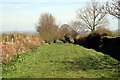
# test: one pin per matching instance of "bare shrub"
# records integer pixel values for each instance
(47, 27)
(64, 30)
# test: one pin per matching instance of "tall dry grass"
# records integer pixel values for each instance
(16, 43)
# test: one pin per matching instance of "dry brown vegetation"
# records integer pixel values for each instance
(107, 32)
(17, 43)
(47, 27)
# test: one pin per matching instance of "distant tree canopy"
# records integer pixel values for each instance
(91, 16)
(47, 27)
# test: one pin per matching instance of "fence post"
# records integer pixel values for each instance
(7, 38)
(12, 40)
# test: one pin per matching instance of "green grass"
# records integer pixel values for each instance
(62, 61)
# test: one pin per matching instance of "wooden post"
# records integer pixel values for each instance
(12, 40)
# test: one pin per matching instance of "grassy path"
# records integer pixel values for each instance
(62, 61)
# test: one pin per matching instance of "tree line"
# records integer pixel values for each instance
(92, 17)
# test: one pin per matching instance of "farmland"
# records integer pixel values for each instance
(59, 60)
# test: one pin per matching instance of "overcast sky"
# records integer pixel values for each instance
(23, 15)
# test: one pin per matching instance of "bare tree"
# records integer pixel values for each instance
(47, 27)
(113, 8)
(63, 30)
(75, 25)
(91, 16)
(77, 28)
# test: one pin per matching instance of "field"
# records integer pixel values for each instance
(59, 60)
